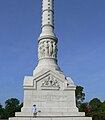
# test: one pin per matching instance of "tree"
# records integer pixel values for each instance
(11, 106)
(20, 106)
(97, 115)
(80, 95)
(102, 107)
(1, 111)
(95, 104)
(83, 107)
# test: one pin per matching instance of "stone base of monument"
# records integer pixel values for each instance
(51, 118)
(54, 96)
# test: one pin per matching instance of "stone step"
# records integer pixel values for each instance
(53, 114)
(51, 118)
(69, 109)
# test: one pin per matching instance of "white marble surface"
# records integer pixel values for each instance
(48, 88)
(54, 96)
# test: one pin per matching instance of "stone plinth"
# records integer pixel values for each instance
(54, 96)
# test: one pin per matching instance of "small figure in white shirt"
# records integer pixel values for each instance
(34, 110)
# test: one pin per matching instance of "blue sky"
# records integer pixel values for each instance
(80, 28)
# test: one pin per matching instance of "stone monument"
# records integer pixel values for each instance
(48, 88)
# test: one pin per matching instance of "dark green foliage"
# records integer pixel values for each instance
(102, 107)
(19, 107)
(80, 95)
(11, 106)
(1, 111)
(83, 107)
(97, 115)
(95, 104)
(95, 108)
(0, 106)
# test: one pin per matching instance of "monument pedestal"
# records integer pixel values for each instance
(54, 96)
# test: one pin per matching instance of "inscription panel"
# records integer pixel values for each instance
(53, 98)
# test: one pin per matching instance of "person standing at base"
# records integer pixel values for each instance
(34, 110)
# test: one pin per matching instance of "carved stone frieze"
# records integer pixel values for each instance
(47, 48)
(50, 82)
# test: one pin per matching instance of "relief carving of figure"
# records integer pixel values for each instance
(46, 47)
(55, 83)
(54, 50)
(50, 48)
(51, 82)
(40, 50)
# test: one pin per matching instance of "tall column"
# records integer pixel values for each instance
(47, 17)
(47, 41)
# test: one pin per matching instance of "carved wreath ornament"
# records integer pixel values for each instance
(50, 82)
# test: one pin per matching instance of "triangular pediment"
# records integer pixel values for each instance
(49, 80)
